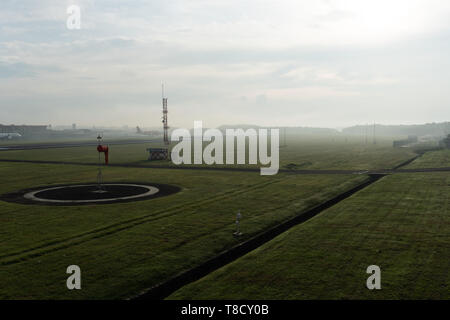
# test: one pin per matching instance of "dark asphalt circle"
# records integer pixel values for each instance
(88, 194)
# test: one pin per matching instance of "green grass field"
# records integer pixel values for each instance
(125, 248)
(432, 159)
(401, 223)
(308, 152)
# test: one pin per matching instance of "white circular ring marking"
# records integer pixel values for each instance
(32, 195)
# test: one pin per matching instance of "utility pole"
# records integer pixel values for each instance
(283, 138)
(366, 127)
(165, 123)
(374, 137)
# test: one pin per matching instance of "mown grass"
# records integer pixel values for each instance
(301, 152)
(432, 159)
(401, 223)
(124, 248)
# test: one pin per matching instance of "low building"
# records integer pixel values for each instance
(158, 154)
(445, 143)
(405, 142)
(24, 130)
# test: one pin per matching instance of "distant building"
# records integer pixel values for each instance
(412, 139)
(24, 130)
(402, 143)
(148, 133)
(158, 154)
(445, 143)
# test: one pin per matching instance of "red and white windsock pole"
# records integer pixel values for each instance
(101, 149)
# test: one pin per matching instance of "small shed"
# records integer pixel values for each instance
(158, 154)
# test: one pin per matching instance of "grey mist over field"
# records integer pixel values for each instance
(270, 63)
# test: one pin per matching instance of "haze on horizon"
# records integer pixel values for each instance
(328, 63)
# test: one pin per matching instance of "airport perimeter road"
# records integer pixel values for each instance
(31, 146)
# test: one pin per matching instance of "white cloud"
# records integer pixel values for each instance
(334, 54)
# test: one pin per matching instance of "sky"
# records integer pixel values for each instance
(321, 63)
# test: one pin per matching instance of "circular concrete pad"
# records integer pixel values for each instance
(81, 194)
(91, 193)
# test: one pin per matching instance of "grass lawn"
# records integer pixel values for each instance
(401, 223)
(124, 248)
(432, 159)
(303, 152)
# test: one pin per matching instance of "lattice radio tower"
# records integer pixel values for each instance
(165, 123)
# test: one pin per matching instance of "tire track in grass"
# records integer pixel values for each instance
(329, 194)
(362, 240)
(19, 256)
(421, 237)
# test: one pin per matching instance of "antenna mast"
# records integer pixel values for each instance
(374, 136)
(366, 127)
(165, 124)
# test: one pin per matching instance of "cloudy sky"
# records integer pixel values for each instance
(297, 63)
